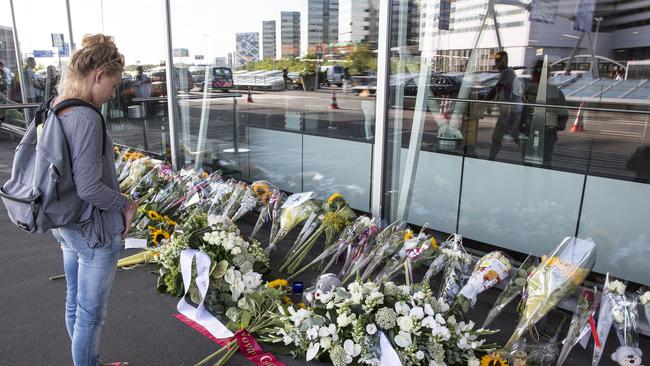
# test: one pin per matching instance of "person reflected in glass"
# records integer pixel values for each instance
(51, 82)
(32, 84)
(5, 78)
(286, 78)
(142, 87)
(504, 91)
(555, 118)
(639, 163)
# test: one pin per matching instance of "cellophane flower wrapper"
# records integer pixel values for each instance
(348, 238)
(515, 287)
(235, 199)
(290, 217)
(359, 251)
(580, 320)
(137, 170)
(248, 202)
(457, 268)
(644, 299)
(625, 317)
(557, 277)
(221, 196)
(491, 269)
(611, 289)
(264, 191)
(387, 242)
(275, 208)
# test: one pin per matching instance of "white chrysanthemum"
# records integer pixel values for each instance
(386, 318)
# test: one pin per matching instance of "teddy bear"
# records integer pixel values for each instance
(627, 356)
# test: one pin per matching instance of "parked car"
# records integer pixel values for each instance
(158, 77)
(333, 74)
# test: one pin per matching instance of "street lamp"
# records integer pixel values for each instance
(598, 20)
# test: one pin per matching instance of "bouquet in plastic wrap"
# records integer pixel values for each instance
(295, 210)
(388, 242)
(457, 266)
(557, 277)
(579, 326)
(491, 269)
(264, 191)
(515, 287)
(644, 299)
(611, 290)
(626, 317)
(359, 250)
(336, 216)
(414, 251)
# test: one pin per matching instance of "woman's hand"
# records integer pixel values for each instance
(128, 212)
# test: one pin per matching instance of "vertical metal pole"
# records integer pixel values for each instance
(19, 61)
(383, 77)
(496, 24)
(567, 68)
(594, 61)
(67, 9)
(172, 106)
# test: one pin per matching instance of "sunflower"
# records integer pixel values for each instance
(493, 359)
(262, 191)
(408, 234)
(153, 215)
(158, 235)
(169, 221)
(277, 283)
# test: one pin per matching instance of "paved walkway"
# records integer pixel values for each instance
(140, 327)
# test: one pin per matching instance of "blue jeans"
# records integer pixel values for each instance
(89, 274)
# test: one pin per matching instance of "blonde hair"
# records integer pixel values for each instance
(97, 52)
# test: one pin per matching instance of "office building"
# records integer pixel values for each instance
(247, 48)
(268, 39)
(358, 21)
(290, 33)
(322, 23)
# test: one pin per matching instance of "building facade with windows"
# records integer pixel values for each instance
(290, 34)
(268, 39)
(322, 23)
(247, 48)
(358, 21)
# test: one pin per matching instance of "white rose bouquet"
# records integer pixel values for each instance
(644, 299)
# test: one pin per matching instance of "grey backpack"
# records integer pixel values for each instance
(41, 193)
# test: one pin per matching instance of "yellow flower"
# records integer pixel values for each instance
(552, 261)
(302, 305)
(493, 359)
(334, 197)
(153, 215)
(205, 175)
(277, 283)
(158, 236)
(286, 300)
(408, 234)
(434, 244)
(262, 191)
(169, 221)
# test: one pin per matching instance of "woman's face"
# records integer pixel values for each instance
(103, 88)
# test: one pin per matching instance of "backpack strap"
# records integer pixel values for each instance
(77, 103)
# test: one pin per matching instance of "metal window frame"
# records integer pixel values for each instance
(381, 109)
(171, 88)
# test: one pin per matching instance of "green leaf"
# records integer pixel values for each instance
(220, 269)
(245, 319)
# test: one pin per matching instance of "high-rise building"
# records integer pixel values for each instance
(359, 21)
(247, 48)
(7, 49)
(230, 60)
(220, 62)
(405, 24)
(268, 39)
(322, 23)
(290, 33)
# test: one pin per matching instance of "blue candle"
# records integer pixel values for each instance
(297, 287)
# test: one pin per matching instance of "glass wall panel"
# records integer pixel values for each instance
(525, 100)
(281, 91)
(615, 214)
(137, 116)
(9, 83)
(44, 49)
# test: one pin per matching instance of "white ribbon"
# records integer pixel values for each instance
(199, 314)
(388, 355)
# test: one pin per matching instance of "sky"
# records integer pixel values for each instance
(204, 27)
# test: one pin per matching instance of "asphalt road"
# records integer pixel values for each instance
(140, 327)
(603, 148)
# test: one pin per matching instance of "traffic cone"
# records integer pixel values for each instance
(249, 99)
(333, 103)
(579, 123)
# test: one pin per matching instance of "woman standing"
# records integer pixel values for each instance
(91, 247)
